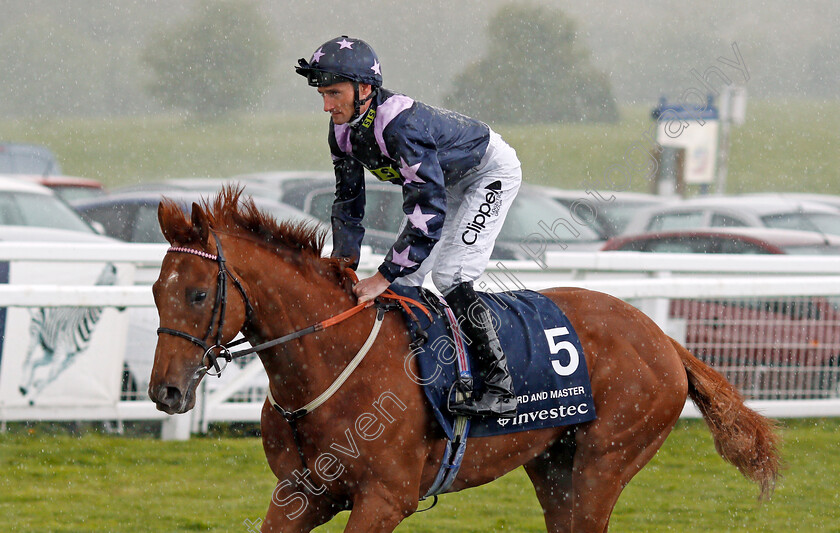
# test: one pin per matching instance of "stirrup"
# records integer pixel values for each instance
(462, 389)
(478, 409)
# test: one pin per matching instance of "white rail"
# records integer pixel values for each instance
(648, 279)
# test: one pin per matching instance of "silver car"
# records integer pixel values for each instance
(737, 211)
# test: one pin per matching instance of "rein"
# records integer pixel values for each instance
(224, 349)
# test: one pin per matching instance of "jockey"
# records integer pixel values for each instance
(458, 180)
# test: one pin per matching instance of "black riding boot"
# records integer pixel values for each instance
(499, 399)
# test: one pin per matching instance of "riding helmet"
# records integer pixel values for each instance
(341, 59)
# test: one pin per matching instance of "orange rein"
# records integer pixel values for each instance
(403, 301)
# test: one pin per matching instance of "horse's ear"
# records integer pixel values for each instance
(173, 224)
(201, 225)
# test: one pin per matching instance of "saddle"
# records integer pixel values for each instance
(544, 356)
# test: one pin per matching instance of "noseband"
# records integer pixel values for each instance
(210, 358)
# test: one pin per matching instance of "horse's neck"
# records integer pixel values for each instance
(288, 298)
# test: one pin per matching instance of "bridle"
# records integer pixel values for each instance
(210, 359)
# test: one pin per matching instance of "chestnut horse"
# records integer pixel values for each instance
(374, 446)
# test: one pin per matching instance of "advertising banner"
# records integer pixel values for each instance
(62, 356)
(700, 140)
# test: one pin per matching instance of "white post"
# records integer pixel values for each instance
(732, 110)
(176, 427)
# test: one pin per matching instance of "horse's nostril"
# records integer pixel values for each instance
(169, 395)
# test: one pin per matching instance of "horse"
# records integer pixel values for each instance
(372, 446)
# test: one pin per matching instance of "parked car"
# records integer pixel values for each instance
(827, 199)
(68, 188)
(29, 204)
(606, 212)
(729, 241)
(794, 340)
(281, 181)
(21, 158)
(735, 211)
(533, 225)
(132, 216)
(207, 186)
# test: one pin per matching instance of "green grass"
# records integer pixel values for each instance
(784, 145)
(61, 483)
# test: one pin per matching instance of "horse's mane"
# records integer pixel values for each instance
(230, 212)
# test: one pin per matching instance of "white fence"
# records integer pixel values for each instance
(769, 323)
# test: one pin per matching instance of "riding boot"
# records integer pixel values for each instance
(498, 399)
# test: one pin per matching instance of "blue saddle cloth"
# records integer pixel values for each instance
(544, 356)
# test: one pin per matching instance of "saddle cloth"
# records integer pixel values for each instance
(544, 356)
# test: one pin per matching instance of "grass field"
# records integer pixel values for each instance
(55, 482)
(60, 483)
(783, 146)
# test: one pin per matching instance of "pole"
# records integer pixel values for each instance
(723, 145)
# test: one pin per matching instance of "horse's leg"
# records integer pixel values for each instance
(613, 448)
(551, 474)
(292, 508)
(379, 510)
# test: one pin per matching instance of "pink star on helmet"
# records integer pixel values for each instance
(318, 55)
(409, 172)
(401, 258)
(418, 219)
(375, 67)
(344, 43)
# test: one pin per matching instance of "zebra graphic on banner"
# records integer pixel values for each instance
(57, 335)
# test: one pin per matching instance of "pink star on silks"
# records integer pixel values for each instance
(344, 43)
(409, 172)
(401, 258)
(318, 55)
(375, 67)
(418, 219)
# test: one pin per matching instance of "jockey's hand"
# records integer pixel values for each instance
(369, 288)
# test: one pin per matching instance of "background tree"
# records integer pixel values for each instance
(216, 61)
(534, 71)
(38, 82)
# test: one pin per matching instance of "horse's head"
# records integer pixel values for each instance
(201, 304)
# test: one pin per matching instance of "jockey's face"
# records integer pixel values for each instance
(338, 100)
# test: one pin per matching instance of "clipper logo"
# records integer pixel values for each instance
(488, 208)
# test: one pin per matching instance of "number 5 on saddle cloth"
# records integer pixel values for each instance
(544, 356)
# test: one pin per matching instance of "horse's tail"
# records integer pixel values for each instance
(742, 437)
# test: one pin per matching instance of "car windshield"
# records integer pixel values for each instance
(676, 221)
(532, 214)
(617, 214)
(38, 210)
(72, 194)
(820, 222)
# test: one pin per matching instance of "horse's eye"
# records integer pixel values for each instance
(196, 296)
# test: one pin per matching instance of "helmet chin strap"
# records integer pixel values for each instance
(357, 103)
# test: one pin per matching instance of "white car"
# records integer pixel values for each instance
(26, 204)
(44, 351)
(737, 211)
(606, 212)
